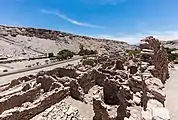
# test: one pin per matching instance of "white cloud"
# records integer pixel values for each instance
(75, 22)
(135, 38)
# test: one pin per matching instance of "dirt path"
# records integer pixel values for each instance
(6, 79)
(172, 93)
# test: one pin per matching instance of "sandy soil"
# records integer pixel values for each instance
(172, 93)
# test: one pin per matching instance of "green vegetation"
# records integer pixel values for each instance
(83, 51)
(64, 54)
(172, 56)
(133, 52)
(50, 55)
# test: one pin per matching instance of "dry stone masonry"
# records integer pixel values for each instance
(113, 86)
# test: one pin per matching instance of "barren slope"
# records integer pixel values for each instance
(18, 41)
(171, 44)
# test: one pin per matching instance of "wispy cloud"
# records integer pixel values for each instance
(75, 22)
(135, 38)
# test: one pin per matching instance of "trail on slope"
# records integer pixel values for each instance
(18, 44)
(172, 93)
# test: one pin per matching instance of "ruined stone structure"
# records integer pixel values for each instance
(153, 48)
(105, 85)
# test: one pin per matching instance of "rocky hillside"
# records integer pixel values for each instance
(20, 41)
(171, 44)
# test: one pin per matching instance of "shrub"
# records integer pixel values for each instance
(172, 56)
(64, 54)
(133, 52)
(87, 52)
(83, 51)
(50, 55)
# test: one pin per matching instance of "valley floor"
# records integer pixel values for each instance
(172, 93)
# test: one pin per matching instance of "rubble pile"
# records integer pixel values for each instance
(113, 86)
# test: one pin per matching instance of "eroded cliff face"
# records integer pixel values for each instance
(32, 41)
(106, 87)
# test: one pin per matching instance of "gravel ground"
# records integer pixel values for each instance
(172, 93)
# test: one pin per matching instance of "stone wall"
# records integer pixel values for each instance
(116, 87)
(158, 55)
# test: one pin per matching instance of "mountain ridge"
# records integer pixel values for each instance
(42, 40)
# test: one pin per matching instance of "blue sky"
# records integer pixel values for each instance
(126, 20)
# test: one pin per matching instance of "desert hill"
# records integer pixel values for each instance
(28, 42)
(170, 43)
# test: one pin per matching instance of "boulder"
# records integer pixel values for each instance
(154, 83)
(46, 82)
(99, 109)
(99, 78)
(76, 91)
(87, 80)
(26, 87)
(158, 94)
(14, 83)
(135, 83)
(133, 69)
(89, 62)
(110, 90)
(119, 65)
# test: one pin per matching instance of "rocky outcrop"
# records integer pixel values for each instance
(119, 65)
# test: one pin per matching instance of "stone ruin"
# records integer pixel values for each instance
(110, 87)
